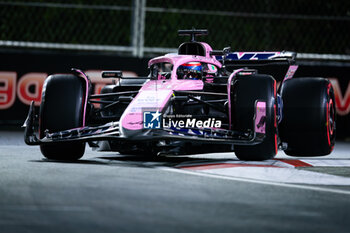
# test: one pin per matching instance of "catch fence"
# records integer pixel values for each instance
(143, 28)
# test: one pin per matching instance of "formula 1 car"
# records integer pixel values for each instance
(198, 100)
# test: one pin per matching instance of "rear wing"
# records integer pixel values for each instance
(280, 65)
(251, 58)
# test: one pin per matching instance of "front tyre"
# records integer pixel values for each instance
(62, 108)
(247, 90)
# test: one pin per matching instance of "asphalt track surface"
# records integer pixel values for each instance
(109, 192)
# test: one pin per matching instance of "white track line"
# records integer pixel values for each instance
(320, 189)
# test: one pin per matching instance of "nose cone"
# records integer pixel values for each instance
(144, 112)
(131, 124)
(141, 124)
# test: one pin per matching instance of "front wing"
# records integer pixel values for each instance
(111, 131)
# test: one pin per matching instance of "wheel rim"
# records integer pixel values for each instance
(331, 117)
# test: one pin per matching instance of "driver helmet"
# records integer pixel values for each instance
(192, 70)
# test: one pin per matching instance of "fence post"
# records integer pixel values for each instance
(134, 26)
(138, 27)
(142, 28)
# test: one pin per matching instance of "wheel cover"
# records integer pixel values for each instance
(330, 118)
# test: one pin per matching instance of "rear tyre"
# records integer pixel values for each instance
(62, 108)
(308, 125)
(246, 92)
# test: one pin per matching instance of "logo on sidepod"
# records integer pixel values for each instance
(152, 120)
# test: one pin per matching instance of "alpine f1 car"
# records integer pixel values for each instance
(197, 100)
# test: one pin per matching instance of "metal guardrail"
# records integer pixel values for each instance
(149, 50)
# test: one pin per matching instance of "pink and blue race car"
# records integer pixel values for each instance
(197, 100)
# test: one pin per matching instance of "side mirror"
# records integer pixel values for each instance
(112, 74)
(226, 50)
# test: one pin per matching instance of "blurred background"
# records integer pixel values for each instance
(40, 37)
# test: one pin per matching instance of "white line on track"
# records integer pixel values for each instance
(320, 189)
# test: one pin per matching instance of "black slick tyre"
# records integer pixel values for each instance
(308, 126)
(247, 90)
(62, 108)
